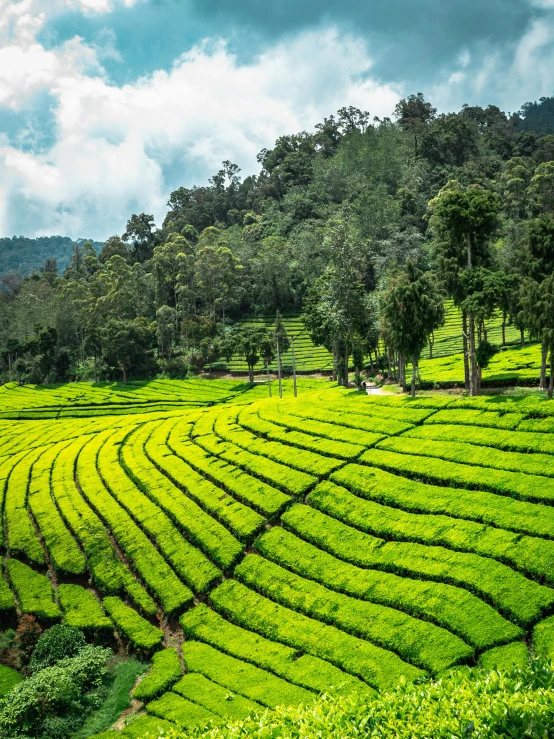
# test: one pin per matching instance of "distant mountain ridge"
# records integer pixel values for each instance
(25, 255)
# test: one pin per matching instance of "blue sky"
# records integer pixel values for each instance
(106, 106)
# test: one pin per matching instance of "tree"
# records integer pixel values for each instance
(217, 272)
(140, 230)
(537, 265)
(112, 247)
(250, 341)
(166, 329)
(412, 114)
(463, 222)
(541, 188)
(412, 308)
(126, 343)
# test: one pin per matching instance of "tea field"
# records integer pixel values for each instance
(260, 551)
(447, 341)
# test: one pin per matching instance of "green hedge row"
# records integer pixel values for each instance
(515, 441)
(375, 424)
(283, 416)
(203, 624)
(376, 666)
(33, 591)
(140, 632)
(200, 528)
(265, 499)
(249, 419)
(242, 677)
(543, 639)
(7, 603)
(418, 642)
(467, 453)
(186, 560)
(450, 607)
(274, 473)
(65, 555)
(165, 671)
(471, 417)
(199, 689)
(21, 535)
(108, 571)
(172, 707)
(519, 598)
(240, 519)
(83, 611)
(302, 460)
(474, 505)
(371, 408)
(149, 563)
(204, 425)
(531, 555)
(514, 484)
(505, 658)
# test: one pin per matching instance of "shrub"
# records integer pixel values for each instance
(57, 643)
(55, 701)
(466, 703)
(27, 635)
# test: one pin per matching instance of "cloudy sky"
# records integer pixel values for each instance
(106, 106)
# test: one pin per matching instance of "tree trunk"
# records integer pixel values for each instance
(522, 336)
(544, 352)
(250, 373)
(401, 370)
(466, 350)
(390, 365)
(551, 380)
(346, 366)
(268, 378)
(293, 366)
(279, 367)
(414, 370)
(334, 363)
(431, 342)
(472, 361)
(124, 370)
(10, 365)
(504, 328)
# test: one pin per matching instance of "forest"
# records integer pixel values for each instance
(364, 227)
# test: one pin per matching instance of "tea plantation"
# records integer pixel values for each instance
(261, 551)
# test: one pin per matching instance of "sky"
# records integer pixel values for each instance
(107, 106)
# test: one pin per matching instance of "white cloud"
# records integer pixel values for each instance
(113, 143)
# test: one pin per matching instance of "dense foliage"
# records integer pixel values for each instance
(325, 228)
(517, 704)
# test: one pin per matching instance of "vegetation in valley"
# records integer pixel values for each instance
(340, 226)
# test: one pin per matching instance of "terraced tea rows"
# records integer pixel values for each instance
(330, 542)
(447, 341)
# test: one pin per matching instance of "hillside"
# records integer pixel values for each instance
(24, 255)
(327, 543)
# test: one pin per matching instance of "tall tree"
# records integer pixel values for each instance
(412, 309)
(463, 221)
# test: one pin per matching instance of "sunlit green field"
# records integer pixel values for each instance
(447, 342)
(327, 543)
(513, 365)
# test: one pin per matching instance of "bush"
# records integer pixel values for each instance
(55, 701)
(57, 643)
(27, 635)
(466, 703)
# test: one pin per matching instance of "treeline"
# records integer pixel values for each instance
(21, 256)
(364, 225)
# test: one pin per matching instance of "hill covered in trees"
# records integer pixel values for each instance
(366, 226)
